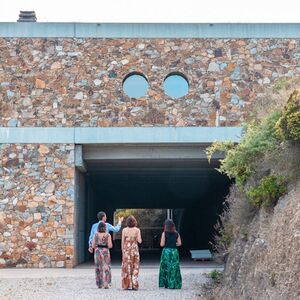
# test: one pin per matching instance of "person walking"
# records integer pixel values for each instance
(131, 237)
(101, 244)
(109, 228)
(169, 271)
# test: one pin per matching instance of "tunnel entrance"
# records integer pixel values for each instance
(183, 183)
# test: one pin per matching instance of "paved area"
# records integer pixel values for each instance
(79, 283)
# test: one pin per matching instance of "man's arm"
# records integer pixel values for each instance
(92, 233)
(113, 228)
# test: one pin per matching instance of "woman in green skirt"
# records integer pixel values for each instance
(169, 271)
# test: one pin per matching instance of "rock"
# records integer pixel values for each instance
(10, 94)
(97, 82)
(4, 247)
(37, 216)
(79, 96)
(124, 62)
(50, 188)
(136, 109)
(43, 149)
(218, 53)
(27, 101)
(141, 46)
(56, 65)
(60, 264)
(213, 67)
(189, 61)
(74, 54)
(40, 84)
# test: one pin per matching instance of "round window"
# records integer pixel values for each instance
(135, 85)
(176, 85)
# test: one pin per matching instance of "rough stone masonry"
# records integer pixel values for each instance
(77, 82)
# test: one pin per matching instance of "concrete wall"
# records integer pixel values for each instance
(80, 245)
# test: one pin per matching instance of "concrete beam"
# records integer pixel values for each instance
(156, 135)
(36, 135)
(149, 30)
(152, 152)
(118, 135)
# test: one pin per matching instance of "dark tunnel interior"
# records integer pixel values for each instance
(193, 189)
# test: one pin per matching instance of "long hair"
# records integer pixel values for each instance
(102, 227)
(169, 226)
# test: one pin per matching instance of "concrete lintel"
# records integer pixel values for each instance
(36, 135)
(118, 135)
(156, 135)
(149, 30)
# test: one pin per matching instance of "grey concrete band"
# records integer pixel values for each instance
(118, 135)
(149, 30)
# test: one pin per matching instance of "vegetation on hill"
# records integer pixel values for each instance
(264, 164)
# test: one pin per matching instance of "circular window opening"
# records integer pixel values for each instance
(135, 85)
(176, 85)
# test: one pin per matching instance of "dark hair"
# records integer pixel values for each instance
(101, 215)
(131, 221)
(169, 225)
(102, 227)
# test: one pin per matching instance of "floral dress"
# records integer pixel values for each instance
(102, 261)
(130, 262)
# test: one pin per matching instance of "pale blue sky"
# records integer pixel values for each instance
(155, 10)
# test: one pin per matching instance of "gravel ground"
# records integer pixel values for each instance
(44, 284)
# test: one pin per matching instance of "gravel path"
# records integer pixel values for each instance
(63, 284)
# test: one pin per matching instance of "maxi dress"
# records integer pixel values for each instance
(169, 270)
(130, 260)
(102, 261)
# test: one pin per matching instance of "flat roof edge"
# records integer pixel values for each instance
(149, 30)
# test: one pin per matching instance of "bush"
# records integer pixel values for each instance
(288, 126)
(216, 276)
(240, 160)
(269, 190)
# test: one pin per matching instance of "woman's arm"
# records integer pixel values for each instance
(139, 236)
(94, 241)
(123, 238)
(163, 240)
(109, 242)
(178, 241)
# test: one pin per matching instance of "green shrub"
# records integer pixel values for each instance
(240, 160)
(269, 190)
(288, 126)
(216, 275)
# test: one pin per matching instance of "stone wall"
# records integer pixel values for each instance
(36, 205)
(78, 82)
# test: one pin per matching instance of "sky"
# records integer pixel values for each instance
(178, 11)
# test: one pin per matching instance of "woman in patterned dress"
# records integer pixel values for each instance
(169, 271)
(102, 243)
(131, 237)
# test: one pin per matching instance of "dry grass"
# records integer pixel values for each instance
(274, 99)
